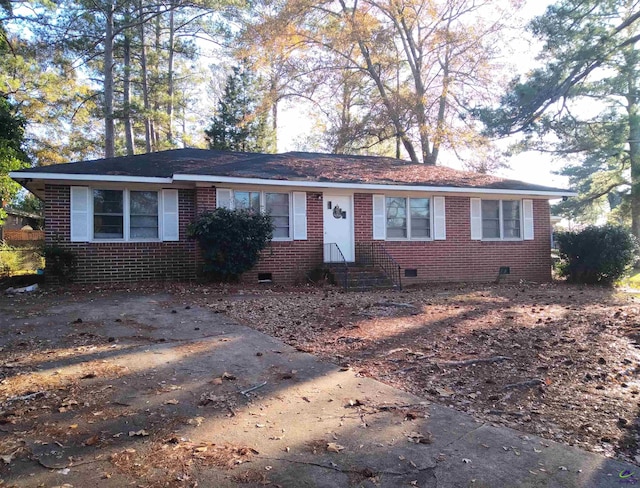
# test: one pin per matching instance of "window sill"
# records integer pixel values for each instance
(519, 239)
(123, 241)
(400, 239)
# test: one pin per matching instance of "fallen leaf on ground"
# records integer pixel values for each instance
(140, 433)
(7, 458)
(334, 447)
(92, 440)
(419, 438)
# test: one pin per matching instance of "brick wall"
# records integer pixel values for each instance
(290, 261)
(458, 258)
(126, 261)
(299, 256)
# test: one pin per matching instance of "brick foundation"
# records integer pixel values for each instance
(456, 259)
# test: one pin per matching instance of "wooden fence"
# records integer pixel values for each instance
(23, 237)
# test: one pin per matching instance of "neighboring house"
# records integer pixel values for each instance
(126, 217)
(19, 227)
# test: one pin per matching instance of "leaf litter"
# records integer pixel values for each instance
(555, 360)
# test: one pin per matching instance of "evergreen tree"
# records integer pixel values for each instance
(583, 103)
(240, 122)
(12, 156)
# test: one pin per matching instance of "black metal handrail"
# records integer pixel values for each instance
(375, 254)
(333, 255)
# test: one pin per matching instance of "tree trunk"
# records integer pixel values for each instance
(109, 128)
(145, 85)
(374, 72)
(273, 89)
(170, 74)
(126, 102)
(634, 155)
(155, 136)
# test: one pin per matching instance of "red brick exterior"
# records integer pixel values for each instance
(287, 261)
(458, 258)
(126, 261)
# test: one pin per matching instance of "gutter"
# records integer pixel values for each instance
(286, 183)
(367, 186)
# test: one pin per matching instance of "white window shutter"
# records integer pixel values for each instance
(80, 214)
(439, 220)
(300, 215)
(527, 214)
(379, 217)
(170, 227)
(476, 219)
(223, 198)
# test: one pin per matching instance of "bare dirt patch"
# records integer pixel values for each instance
(554, 360)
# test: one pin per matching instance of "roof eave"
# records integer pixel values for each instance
(18, 175)
(370, 186)
(24, 177)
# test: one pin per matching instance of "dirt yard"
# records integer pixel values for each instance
(554, 360)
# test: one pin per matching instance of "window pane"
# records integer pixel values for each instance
(247, 200)
(277, 205)
(511, 210)
(107, 201)
(511, 229)
(491, 219)
(143, 222)
(107, 214)
(511, 218)
(396, 217)
(144, 203)
(420, 218)
(490, 209)
(491, 229)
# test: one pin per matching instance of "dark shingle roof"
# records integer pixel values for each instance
(292, 166)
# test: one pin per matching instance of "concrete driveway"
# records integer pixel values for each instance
(140, 390)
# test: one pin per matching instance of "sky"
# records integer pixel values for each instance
(533, 167)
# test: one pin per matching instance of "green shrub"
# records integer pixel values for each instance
(10, 260)
(231, 240)
(19, 260)
(60, 263)
(596, 254)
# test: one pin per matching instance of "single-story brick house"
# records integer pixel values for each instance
(126, 217)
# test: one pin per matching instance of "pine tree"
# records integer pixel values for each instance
(240, 122)
(12, 155)
(586, 96)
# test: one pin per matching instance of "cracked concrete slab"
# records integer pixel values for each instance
(307, 423)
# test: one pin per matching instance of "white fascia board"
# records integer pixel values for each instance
(367, 186)
(102, 178)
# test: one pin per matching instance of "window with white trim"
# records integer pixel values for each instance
(281, 206)
(123, 215)
(277, 205)
(108, 214)
(115, 211)
(501, 219)
(413, 222)
(143, 215)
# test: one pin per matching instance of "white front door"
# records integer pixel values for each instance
(338, 227)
